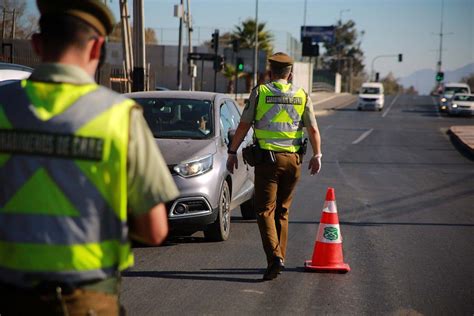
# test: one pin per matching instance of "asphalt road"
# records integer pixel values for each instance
(405, 198)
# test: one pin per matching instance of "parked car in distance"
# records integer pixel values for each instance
(461, 104)
(449, 90)
(193, 130)
(13, 72)
(371, 96)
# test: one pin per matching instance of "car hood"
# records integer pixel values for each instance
(370, 96)
(177, 150)
(469, 103)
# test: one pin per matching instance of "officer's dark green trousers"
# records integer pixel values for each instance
(274, 187)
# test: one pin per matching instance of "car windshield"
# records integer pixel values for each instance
(367, 90)
(453, 90)
(178, 118)
(468, 98)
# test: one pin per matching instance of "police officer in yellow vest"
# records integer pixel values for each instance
(278, 112)
(79, 173)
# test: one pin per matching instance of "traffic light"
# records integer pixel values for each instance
(440, 76)
(240, 64)
(235, 45)
(219, 63)
(309, 48)
(215, 40)
(377, 77)
(400, 58)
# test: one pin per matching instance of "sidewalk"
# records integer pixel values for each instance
(464, 136)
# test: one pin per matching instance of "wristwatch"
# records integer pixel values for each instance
(231, 152)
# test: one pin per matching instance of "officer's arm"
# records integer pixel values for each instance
(150, 228)
(240, 133)
(150, 184)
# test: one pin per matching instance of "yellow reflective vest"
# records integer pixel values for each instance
(278, 117)
(63, 182)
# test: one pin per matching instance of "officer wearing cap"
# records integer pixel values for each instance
(278, 112)
(79, 173)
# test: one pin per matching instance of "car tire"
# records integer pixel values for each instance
(248, 209)
(359, 108)
(220, 229)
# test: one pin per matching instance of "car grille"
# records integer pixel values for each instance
(368, 100)
(188, 206)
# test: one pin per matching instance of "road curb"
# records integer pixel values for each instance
(463, 137)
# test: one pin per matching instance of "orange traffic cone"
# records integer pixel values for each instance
(327, 253)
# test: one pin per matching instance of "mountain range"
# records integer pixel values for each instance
(424, 80)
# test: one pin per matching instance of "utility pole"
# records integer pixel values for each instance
(13, 24)
(255, 59)
(127, 43)
(440, 60)
(139, 45)
(192, 67)
(180, 48)
(4, 23)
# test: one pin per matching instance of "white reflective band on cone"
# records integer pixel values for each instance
(329, 233)
(330, 207)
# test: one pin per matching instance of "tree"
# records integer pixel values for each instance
(229, 73)
(245, 33)
(346, 46)
(116, 35)
(25, 25)
(411, 91)
(391, 85)
(469, 80)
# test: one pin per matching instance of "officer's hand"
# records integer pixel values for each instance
(315, 164)
(232, 162)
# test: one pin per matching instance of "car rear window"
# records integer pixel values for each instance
(178, 118)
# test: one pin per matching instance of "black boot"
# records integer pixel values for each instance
(273, 269)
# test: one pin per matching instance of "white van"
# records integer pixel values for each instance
(449, 90)
(371, 96)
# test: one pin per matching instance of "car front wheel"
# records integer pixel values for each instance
(220, 229)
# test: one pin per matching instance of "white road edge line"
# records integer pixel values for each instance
(363, 136)
(390, 106)
(324, 100)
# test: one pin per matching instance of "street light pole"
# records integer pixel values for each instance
(255, 60)
(180, 49)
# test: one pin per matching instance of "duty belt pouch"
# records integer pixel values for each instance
(253, 155)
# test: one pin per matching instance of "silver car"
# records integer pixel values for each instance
(193, 130)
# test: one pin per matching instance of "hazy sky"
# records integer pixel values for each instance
(410, 27)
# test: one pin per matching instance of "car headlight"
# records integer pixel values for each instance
(454, 105)
(194, 167)
(443, 100)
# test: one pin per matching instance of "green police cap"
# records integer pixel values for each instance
(281, 59)
(93, 12)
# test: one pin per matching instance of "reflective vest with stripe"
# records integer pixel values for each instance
(63, 183)
(278, 117)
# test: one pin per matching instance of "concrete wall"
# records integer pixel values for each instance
(303, 75)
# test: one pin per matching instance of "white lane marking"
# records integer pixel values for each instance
(390, 106)
(364, 135)
(324, 100)
(253, 292)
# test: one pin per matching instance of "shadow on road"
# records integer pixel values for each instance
(226, 275)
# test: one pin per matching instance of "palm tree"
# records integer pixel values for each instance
(229, 73)
(245, 33)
